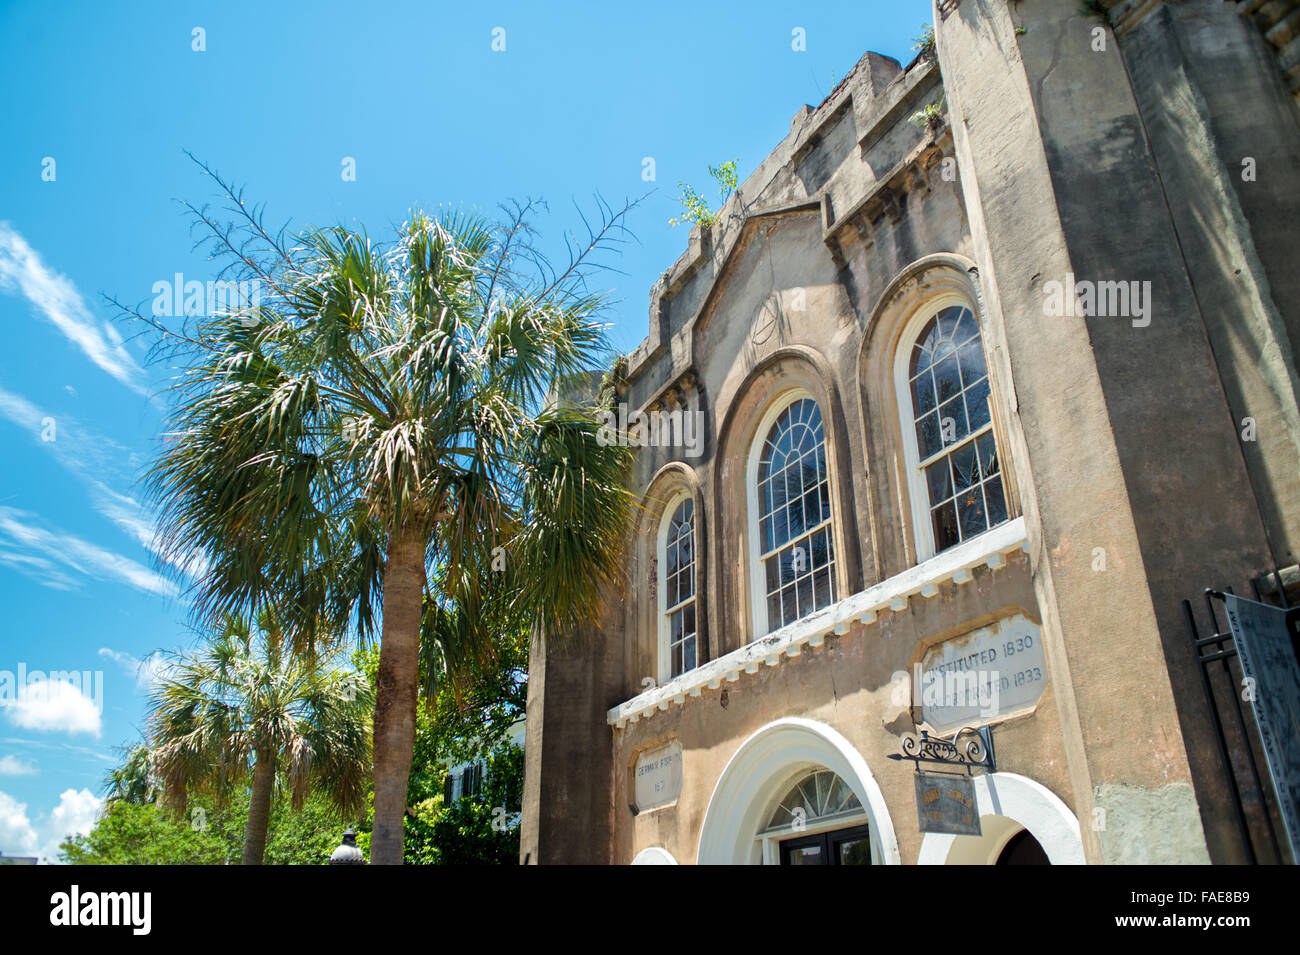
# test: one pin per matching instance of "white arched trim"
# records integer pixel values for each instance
(654, 855)
(1032, 805)
(762, 770)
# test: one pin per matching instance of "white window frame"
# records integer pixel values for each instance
(661, 558)
(917, 491)
(757, 576)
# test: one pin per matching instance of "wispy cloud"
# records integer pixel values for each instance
(83, 751)
(60, 302)
(13, 766)
(148, 671)
(95, 459)
(28, 543)
(81, 450)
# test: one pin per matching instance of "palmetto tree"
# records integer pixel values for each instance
(133, 781)
(244, 705)
(381, 425)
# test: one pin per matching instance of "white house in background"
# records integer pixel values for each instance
(468, 779)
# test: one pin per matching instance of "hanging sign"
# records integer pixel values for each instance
(946, 804)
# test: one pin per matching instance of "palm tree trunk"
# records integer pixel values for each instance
(259, 810)
(395, 696)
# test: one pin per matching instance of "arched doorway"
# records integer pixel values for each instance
(796, 772)
(1023, 823)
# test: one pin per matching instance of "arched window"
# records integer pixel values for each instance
(955, 469)
(819, 822)
(795, 552)
(677, 597)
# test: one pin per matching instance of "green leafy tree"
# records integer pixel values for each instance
(380, 410)
(130, 833)
(245, 704)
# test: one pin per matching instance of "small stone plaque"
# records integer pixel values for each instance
(982, 675)
(658, 776)
(947, 804)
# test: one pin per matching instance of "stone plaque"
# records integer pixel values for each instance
(658, 776)
(947, 804)
(981, 675)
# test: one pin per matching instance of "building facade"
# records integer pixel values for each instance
(994, 363)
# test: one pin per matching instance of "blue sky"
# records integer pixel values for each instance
(114, 93)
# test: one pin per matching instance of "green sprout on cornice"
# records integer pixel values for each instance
(697, 207)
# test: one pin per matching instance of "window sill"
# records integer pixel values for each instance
(954, 565)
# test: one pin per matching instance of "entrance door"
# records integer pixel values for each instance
(838, 847)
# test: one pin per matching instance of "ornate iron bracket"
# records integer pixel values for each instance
(969, 749)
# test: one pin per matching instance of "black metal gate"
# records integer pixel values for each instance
(1240, 749)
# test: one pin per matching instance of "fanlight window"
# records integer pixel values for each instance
(819, 795)
(679, 587)
(958, 455)
(794, 497)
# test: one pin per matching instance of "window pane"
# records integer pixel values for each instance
(939, 480)
(789, 606)
(971, 356)
(923, 393)
(970, 505)
(944, 518)
(947, 379)
(952, 421)
(688, 655)
(927, 435)
(823, 595)
(996, 500)
(977, 403)
(805, 596)
(964, 470)
(948, 319)
(988, 451)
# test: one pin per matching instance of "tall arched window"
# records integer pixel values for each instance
(795, 552)
(677, 596)
(955, 468)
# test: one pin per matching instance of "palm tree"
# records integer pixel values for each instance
(382, 425)
(246, 704)
(133, 781)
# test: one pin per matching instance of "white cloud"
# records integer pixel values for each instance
(54, 706)
(13, 766)
(146, 672)
(28, 544)
(17, 835)
(58, 299)
(74, 815)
